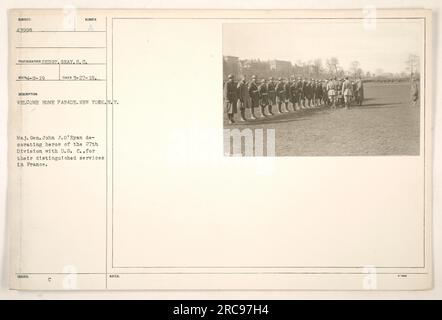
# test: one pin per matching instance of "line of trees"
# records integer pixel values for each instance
(316, 69)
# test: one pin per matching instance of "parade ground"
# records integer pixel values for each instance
(385, 124)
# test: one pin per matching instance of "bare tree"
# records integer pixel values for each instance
(359, 73)
(354, 68)
(332, 65)
(340, 72)
(317, 67)
(412, 64)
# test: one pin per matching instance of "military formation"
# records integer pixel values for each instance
(267, 97)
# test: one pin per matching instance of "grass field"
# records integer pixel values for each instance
(386, 124)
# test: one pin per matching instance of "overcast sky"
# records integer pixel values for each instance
(386, 47)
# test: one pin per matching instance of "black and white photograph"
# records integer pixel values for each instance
(323, 87)
(242, 153)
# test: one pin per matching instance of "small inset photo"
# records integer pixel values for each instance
(323, 88)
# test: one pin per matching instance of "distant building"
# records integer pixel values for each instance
(257, 67)
(262, 68)
(280, 68)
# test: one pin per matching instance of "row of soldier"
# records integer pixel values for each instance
(300, 93)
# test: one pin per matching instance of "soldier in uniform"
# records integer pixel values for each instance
(294, 93)
(300, 93)
(414, 92)
(308, 94)
(271, 94)
(340, 96)
(323, 88)
(347, 92)
(280, 94)
(318, 93)
(230, 96)
(304, 92)
(359, 91)
(254, 96)
(313, 93)
(243, 97)
(287, 93)
(263, 97)
(324, 93)
(331, 91)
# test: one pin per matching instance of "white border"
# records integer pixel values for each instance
(435, 5)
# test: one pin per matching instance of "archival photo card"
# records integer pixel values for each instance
(323, 87)
(220, 150)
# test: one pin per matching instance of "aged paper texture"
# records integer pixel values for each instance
(230, 149)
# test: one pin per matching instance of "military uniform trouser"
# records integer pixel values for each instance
(242, 104)
(272, 98)
(264, 101)
(231, 107)
(254, 102)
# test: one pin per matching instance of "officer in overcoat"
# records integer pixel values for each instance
(230, 97)
(254, 96)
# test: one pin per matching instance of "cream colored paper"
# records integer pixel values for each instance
(159, 206)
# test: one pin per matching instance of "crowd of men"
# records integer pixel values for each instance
(287, 95)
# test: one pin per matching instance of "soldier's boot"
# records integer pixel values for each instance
(270, 107)
(242, 115)
(252, 114)
(280, 108)
(262, 112)
(230, 116)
